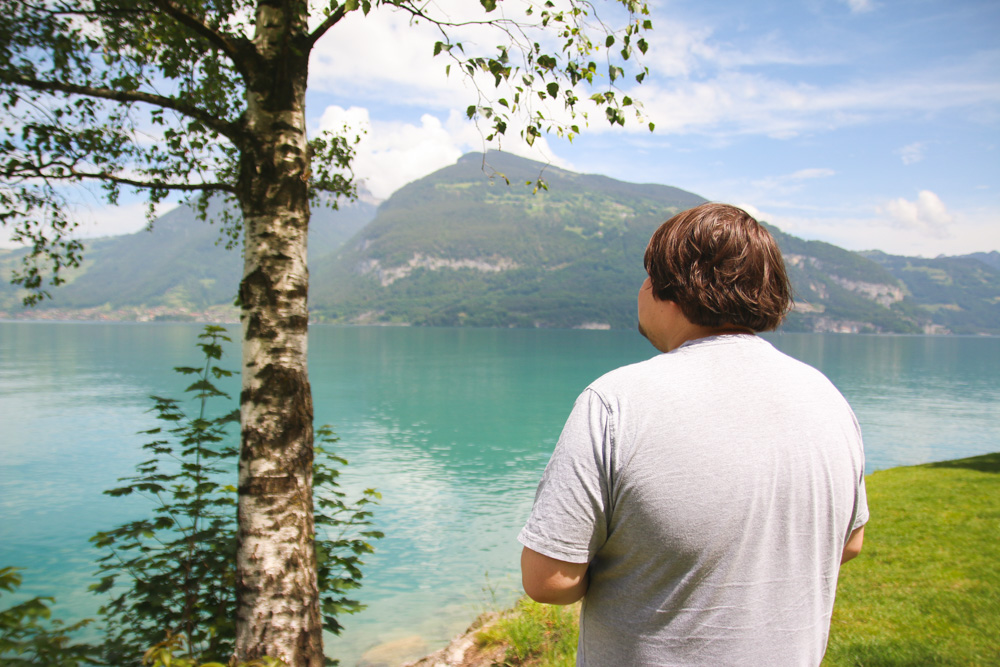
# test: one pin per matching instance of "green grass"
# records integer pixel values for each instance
(926, 588)
(535, 634)
(924, 591)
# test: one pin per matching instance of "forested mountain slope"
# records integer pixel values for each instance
(960, 294)
(181, 265)
(457, 248)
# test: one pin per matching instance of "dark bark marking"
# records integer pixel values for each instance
(298, 324)
(290, 389)
(269, 486)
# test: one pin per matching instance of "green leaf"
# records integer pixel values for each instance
(552, 88)
(547, 62)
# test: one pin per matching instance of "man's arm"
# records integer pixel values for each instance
(853, 546)
(552, 581)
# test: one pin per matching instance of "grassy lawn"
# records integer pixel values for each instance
(926, 588)
(924, 591)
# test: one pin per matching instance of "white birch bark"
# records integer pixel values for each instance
(277, 597)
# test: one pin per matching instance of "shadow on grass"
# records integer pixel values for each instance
(984, 463)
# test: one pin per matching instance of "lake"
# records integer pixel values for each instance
(452, 426)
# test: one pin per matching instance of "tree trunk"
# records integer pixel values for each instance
(277, 598)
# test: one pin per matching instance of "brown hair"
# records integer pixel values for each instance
(721, 267)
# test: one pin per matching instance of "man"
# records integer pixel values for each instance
(702, 502)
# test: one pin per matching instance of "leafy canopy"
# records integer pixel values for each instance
(150, 96)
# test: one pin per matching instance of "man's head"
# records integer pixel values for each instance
(721, 267)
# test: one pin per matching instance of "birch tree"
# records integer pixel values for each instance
(207, 98)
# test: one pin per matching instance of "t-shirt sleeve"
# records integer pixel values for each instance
(861, 495)
(861, 514)
(568, 520)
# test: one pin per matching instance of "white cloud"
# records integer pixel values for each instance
(921, 227)
(392, 154)
(699, 83)
(679, 50)
(926, 214)
(912, 153)
(387, 57)
(732, 102)
(808, 174)
(382, 58)
(785, 184)
(752, 210)
(860, 6)
(969, 231)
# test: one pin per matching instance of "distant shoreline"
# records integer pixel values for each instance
(229, 315)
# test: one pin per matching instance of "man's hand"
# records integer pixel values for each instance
(551, 581)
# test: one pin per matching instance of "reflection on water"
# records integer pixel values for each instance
(453, 426)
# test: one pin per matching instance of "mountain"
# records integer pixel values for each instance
(181, 266)
(474, 245)
(459, 248)
(842, 291)
(959, 294)
(988, 258)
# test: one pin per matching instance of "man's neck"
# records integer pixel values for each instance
(691, 332)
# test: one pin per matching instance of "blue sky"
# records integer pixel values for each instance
(866, 123)
(872, 124)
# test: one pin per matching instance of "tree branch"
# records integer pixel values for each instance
(418, 12)
(225, 128)
(330, 21)
(70, 173)
(219, 39)
(150, 185)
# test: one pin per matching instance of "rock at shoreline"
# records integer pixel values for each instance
(463, 651)
(394, 653)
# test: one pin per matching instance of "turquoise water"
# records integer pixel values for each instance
(453, 426)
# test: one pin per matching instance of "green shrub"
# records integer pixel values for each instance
(173, 574)
(29, 637)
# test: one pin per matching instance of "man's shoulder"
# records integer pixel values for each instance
(626, 376)
(711, 364)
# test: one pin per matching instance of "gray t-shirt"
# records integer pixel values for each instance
(712, 490)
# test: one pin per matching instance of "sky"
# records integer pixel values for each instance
(871, 124)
